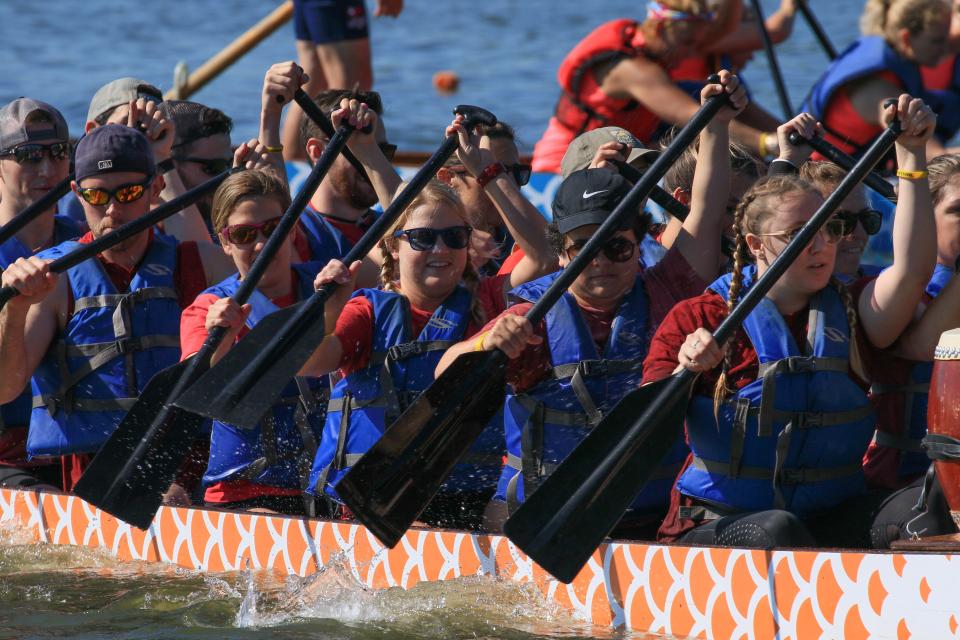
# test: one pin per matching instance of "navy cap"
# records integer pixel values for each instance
(113, 148)
(587, 197)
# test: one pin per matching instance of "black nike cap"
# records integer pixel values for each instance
(589, 196)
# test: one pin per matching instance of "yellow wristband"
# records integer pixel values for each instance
(762, 145)
(911, 175)
(478, 345)
(277, 149)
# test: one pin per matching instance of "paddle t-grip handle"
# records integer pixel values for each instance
(844, 161)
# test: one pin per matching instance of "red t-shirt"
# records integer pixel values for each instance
(840, 117)
(193, 332)
(708, 310)
(667, 282)
(356, 322)
(189, 280)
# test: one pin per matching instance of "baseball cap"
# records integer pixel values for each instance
(113, 148)
(13, 123)
(121, 91)
(581, 151)
(194, 121)
(587, 197)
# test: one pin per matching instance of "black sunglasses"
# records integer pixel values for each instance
(521, 173)
(211, 166)
(424, 239)
(32, 153)
(388, 150)
(871, 219)
(616, 249)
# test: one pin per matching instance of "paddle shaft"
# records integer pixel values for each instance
(628, 206)
(128, 230)
(316, 114)
(845, 162)
(659, 195)
(817, 29)
(772, 61)
(34, 209)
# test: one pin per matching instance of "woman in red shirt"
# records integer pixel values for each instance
(778, 425)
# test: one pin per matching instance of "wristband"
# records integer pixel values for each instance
(478, 345)
(762, 144)
(490, 172)
(911, 175)
(166, 165)
(276, 149)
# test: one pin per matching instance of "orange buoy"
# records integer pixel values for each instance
(446, 81)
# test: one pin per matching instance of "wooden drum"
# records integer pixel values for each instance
(943, 419)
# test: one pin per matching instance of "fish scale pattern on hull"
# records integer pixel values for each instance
(681, 591)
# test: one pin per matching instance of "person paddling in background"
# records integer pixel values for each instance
(777, 431)
(899, 37)
(619, 76)
(260, 468)
(92, 338)
(34, 156)
(566, 372)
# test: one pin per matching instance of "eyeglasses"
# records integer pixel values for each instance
(388, 150)
(211, 166)
(424, 239)
(123, 194)
(33, 153)
(616, 249)
(244, 234)
(521, 173)
(832, 231)
(871, 219)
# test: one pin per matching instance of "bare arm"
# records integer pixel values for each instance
(326, 357)
(186, 224)
(942, 314)
(384, 178)
(280, 82)
(746, 36)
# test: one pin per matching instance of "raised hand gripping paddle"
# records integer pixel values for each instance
(394, 481)
(34, 209)
(249, 379)
(128, 230)
(316, 114)
(154, 437)
(846, 162)
(565, 520)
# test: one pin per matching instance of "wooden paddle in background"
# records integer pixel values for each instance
(563, 522)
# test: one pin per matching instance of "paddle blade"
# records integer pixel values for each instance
(246, 382)
(135, 497)
(563, 522)
(393, 482)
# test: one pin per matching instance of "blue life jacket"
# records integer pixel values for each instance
(326, 242)
(112, 345)
(941, 276)
(17, 412)
(545, 423)
(867, 55)
(279, 450)
(366, 401)
(795, 437)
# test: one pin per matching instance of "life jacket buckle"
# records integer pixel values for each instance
(805, 420)
(593, 368)
(126, 345)
(400, 352)
(802, 365)
(793, 476)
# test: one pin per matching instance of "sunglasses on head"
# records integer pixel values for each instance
(616, 249)
(210, 166)
(871, 219)
(244, 234)
(832, 231)
(33, 153)
(123, 194)
(424, 239)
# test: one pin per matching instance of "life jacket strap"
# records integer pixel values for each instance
(903, 443)
(787, 476)
(941, 447)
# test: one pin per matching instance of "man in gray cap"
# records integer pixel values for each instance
(110, 104)
(34, 156)
(93, 337)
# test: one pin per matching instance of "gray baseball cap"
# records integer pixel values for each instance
(13, 123)
(121, 91)
(581, 151)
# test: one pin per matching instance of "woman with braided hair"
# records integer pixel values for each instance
(778, 423)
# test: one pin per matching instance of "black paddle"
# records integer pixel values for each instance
(153, 438)
(393, 482)
(249, 379)
(35, 208)
(565, 520)
(846, 162)
(772, 61)
(316, 114)
(818, 31)
(659, 195)
(115, 237)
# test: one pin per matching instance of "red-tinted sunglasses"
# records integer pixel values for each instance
(244, 234)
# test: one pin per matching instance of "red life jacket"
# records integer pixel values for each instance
(583, 105)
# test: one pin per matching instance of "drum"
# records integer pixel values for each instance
(942, 442)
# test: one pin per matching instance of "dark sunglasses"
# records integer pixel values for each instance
(388, 150)
(424, 239)
(871, 219)
(521, 173)
(123, 194)
(33, 153)
(617, 249)
(211, 166)
(244, 234)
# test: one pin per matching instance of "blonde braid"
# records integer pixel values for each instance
(389, 270)
(856, 363)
